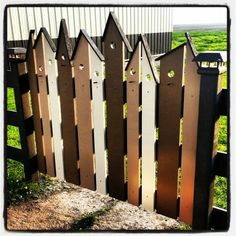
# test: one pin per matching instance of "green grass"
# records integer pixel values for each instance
(203, 41)
(20, 190)
(13, 136)
(11, 105)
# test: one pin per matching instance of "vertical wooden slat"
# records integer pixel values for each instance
(114, 48)
(66, 91)
(170, 96)
(207, 140)
(51, 73)
(98, 114)
(190, 127)
(81, 62)
(31, 65)
(148, 128)
(44, 103)
(133, 80)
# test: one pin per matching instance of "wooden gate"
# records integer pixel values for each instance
(143, 131)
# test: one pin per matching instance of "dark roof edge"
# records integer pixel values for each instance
(192, 47)
(63, 30)
(132, 55)
(31, 34)
(113, 17)
(48, 38)
(169, 52)
(91, 43)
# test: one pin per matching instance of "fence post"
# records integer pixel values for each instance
(207, 138)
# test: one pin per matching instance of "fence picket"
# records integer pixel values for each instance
(190, 127)
(44, 102)
(148, 127)
(31, 65)
(66, 91)
(170, 97)
(133, 81)
(51, 72)
(114, 50)
(81, 61)
(98, 115)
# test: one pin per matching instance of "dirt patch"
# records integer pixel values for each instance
(76, 208)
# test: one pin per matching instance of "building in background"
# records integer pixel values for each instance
(155, 22)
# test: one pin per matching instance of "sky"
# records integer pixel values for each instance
(199, 15)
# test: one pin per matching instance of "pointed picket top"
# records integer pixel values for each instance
(84, 34)
(144, 42)
(30, 45)
(192, 47)
(132, 55)
(190, 42)
(44, 32)
(112, 18)
(63, 36)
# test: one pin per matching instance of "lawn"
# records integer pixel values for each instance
(203, 41)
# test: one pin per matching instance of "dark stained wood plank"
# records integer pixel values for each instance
(221, 164)
(66, 91)
(12, 118)
(224, 104)
(15, 153)
(170, 94)
(114, 52)
(190, 128)
(81, 62)
(26, 128)
(31, 65)
(133, 74)
(219, 219)
(44, 103)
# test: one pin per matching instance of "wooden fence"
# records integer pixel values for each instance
(142, 131)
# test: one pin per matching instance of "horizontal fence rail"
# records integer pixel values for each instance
(143, 130)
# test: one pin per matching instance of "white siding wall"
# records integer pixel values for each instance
(134, 20)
